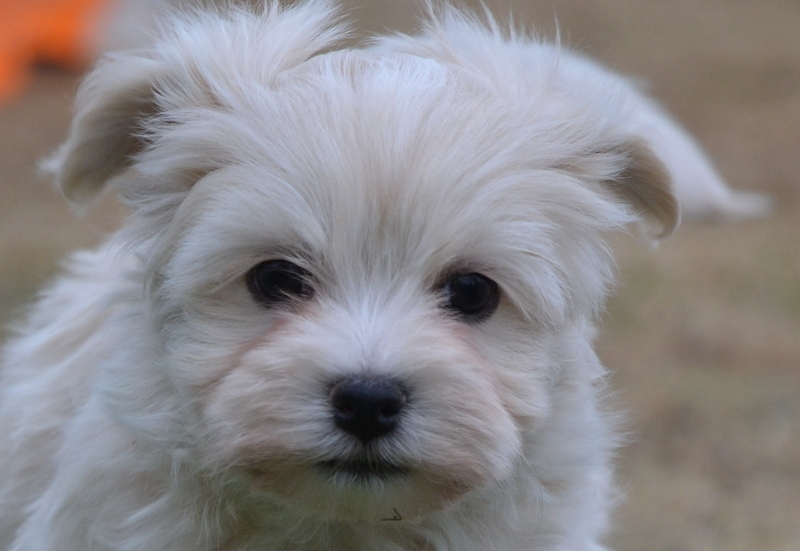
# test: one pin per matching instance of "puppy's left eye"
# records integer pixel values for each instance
(278, 281)
(473, 297)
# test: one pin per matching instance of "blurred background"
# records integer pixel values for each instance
(703, 334)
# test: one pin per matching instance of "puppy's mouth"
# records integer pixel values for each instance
(361, 470)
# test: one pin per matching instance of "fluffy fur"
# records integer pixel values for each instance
(150, 402)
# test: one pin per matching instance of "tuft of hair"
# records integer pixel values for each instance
(127, 91)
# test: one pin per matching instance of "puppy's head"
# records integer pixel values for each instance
(368, 268)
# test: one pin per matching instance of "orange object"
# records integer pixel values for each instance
(50, 31)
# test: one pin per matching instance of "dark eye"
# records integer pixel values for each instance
(472, 296)
(276, 281)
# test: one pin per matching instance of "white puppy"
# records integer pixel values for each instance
(352, 309)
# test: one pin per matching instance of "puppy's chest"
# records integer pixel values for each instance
(329, 537)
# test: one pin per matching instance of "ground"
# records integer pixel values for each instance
(703, 334)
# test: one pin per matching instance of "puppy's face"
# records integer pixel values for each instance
(369, 270)
(363, 298)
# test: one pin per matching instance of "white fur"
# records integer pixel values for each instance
(150, 403)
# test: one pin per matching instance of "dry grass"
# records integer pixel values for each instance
(704, 334)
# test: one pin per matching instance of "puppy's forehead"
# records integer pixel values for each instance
(372, 165)
(387, 149)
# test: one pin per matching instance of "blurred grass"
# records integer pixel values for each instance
(706, 356)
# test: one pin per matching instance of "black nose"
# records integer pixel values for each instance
(367, 407)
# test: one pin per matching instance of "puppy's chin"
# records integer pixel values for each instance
(355, 491)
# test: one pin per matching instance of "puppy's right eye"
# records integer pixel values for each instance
(277, 281)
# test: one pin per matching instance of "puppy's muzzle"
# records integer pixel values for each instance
(368, 407)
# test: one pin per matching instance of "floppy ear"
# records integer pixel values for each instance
(645, 183)
(111, 105)
(199, 58)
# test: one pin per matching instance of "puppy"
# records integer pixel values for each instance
(352, 307)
